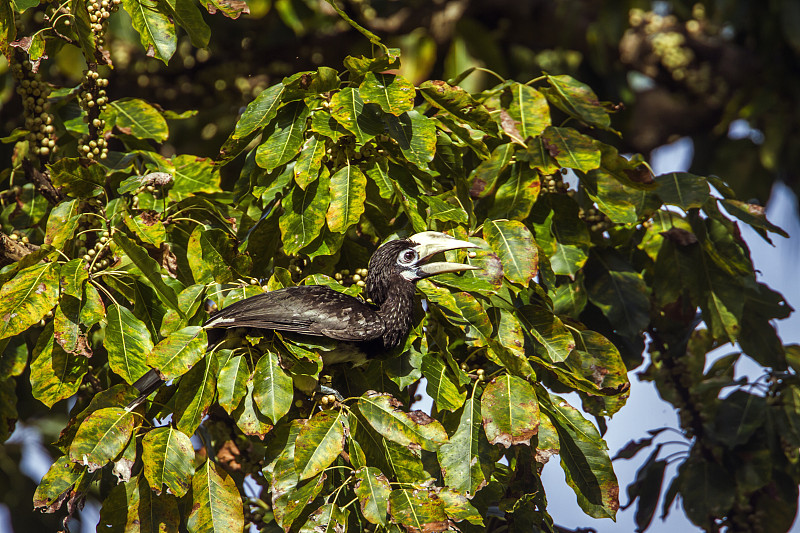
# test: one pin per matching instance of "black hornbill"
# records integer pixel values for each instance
(316, 310)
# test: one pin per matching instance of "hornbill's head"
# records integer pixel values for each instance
(406, 261)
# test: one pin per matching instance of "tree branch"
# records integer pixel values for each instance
(42, 182)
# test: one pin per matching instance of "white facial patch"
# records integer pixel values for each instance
(408, 275)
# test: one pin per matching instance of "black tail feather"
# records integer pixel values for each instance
(145, 385)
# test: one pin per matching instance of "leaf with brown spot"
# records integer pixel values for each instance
(510, 411)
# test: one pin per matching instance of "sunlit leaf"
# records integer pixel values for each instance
(465, 459)
(55, 373)
(358, 118)
(393, 93)
(168, 458)
(386, 416)
(273, 388)
(216, 502)
(577, 100)
(514, 245)
(347, 193)
(415, 135)
(175, 355)
(417, 510)
(320, 441)
(572, 149)
(128, 342)
(101, 437)
(195, 393)
(372, 489)
(26, 299)
(134, 507)
(510, 411)
(286, 137)
(528, 107)
(137, 117)
(304, 215)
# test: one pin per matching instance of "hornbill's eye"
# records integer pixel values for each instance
(407, 257)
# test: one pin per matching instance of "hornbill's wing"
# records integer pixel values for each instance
(309, 309)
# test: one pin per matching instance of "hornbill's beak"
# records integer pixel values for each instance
(430, 243)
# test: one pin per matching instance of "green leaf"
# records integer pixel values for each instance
(178, 353)
(232, 383)
(230, 8)
(324, 124)
(259, 112)
(329, 517)
(55, 373)
(191, 175)
(444, 211)
(358, 118)
(128, 342)
(248, 416)
(385, 415)
(417, 510)
(459, 508)
(101, 437)
(286, 139)
(168, 458)
(561, 233)
(539, 156)
(78, 177)
(213, 256)
(584, 458)
(441, 387)
(188, 16)
(683, 190)
(347, 192)
(572, 149)
(62, 477)
(528, 107)
(514, 245)
(149, 268)
(548, 330)
(134, 507)
(147, 227)
(752, 214)
(458, 103)
(194, 395)
(304, 215)
(401, 462)
(272, 390)
(372, 488)
(599, 361)
(394, 94)
(510, 411)
(484, 178)
(27, 298)
(216, 502)
(415, 135)
(156, 31)
(517, 194)
(137, 117)
(622, 295)
(466, 459)
(62, 223)
(319, 443)
(577, 100)
(309, 162)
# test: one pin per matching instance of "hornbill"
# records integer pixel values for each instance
(364, 329)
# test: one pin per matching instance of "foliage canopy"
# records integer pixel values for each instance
(114, 251)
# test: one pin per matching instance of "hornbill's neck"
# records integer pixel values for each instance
(396, 310)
